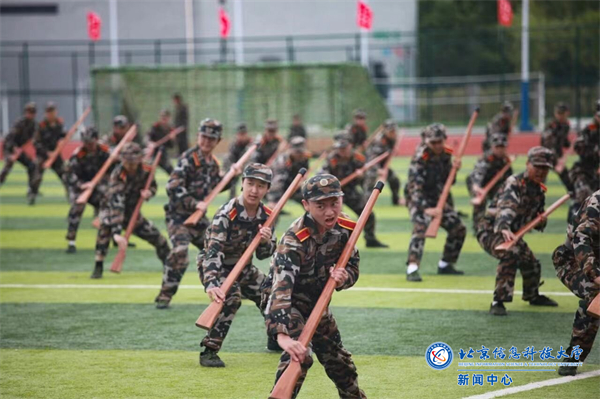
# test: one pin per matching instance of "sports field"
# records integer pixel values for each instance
(66, 336)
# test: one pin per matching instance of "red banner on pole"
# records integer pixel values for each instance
(225, 23)
(364, 15)
(505, 13)
(94, 24)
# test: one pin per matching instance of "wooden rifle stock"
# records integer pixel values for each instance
(478, 200)
(523, 230)
(56, 153)
(231, 173)
(434, 226)
(286, 383)
(19, 151)
(365, 167)
(117, 264)
(372, 136)
(594, 308)
(281, 148)
(209, 316)
(85, 196)
(172, 134)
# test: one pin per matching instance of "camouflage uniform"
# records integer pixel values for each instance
(380, 144)
(485, 169)
(157, 132)
(556, 138)
(298, 274)
(22, 131)
(112, 139)
(427, 176)
(286, 170)
(267, 146)
(584, 173)
(576, 263)
(45, 140)
(500, 123)
(227, 238)
(124, 192)
(181, 119)
(237, 148)
(297, 131)
(519, 201)
(81, 168)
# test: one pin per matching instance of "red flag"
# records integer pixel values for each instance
(225, 23)
(364, 16)
(94, 24)
(505, 13)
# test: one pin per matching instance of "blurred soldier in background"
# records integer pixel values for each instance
(181, 119)
(500, 123)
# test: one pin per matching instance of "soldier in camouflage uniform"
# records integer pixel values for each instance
(159, 130)
(233, 228)
(297, 128)
(427, 175)
(500, 123)
(556, 138)
(194, 177)
(80, 169)
(287, 166)
(300, 268)
(383, 141)
(45, 141)
(342, 162)
(22, 131)
(584, 174)
(237, 148)
(577, 266)
(358, 130)
(181, 119)
(485, 169)
(268, 144)
(125, 187)
(120, 127)
(520, 200)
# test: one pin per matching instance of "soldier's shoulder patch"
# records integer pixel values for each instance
(543, 187)
(43, 124)
(156, 124)
(104, 147)
(196, 159)
(288, 163)
(333, 162)
(359, 157)
(592, 126)
(303, 234)
(123, 175)
(490, 158)
(346, 223)
(425, 156)
(448, 150)
(268, 210)
(232, 214)
(146, 167)
(216, 160)
(80, 152)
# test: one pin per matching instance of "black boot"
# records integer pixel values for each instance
(498, 309)
(98, 269)
(449, 270)
(542, 300)
(375, 243)
(567, 369)
(71, 249)
(210, 358)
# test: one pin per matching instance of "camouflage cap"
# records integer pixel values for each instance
(50, 106)
(121, 121)
(390, 124)
(499, 140)
(541, 156)
(271, 124)
(242, 127)
(165, 112)
(30, 107)
(210, 128)
(131, 152)
(258, 171)
(342, 140)
(561, 108)
(89, 134)
(359, 113)
(435, 132)
(507, 106)
(320, 187)
(298, 143)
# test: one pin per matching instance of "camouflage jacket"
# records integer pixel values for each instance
(158, 131)
(518, 202)
(237, 148)
(181, 116)
(266, 149)
(285, 172)
(124, 191)
(22, 131)
(556, 137)
(583, 236)
(587, 146)
(498, 124)
(84, 165)
(227, 238)
(111, 140)
(297, 131)
(191, 181)
(427, 176)
(341, 168)
(47, 136)
(358, 135)
(486, 168)
(300, 269)
(378, 146)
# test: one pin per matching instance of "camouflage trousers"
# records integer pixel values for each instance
(247, 286)
(393, 182)
(57, 166)
(454, 241)
(570, 274)
(356, 201)
(565, 179)
(144, 229)
(32, 170)
(479, 210)
(76, 210)
(518, 257)
(584, 182)
(327, 345)
(177, 262)
(165, 160)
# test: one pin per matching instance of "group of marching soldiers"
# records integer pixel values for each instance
(301, 263)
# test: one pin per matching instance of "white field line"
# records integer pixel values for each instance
(535, 385)
(195, 287)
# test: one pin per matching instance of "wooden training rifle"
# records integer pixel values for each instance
(478, 200)
(286, 383)
(62, 142)
(209, 316)
(365, 167)
(388, 161)
(372, 136)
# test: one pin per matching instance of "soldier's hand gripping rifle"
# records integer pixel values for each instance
(209, 316)
(62, 142)
(231, 173)
(19, 151)
(523, 230)
(117, 264)
(286, 383)
(434, 226)
(479, 198)
(158, 143)
(85, 195)
(359, 172)
(386, 166)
